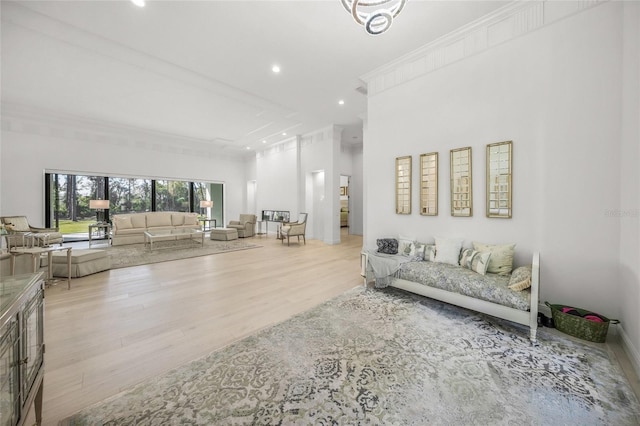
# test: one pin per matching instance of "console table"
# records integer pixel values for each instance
(278, 216)
(21, 347)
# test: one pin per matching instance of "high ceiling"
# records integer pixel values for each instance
(202, 69)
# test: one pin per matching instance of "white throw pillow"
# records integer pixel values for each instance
(448, 250)
(406, 246)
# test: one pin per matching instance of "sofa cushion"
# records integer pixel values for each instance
(16, 224)
(520, 278)
(190, 219)
(448, 250)
(139, 220)
(475, 260)
(490, 287)
(177, 219)
(158, 219)
(122, 222)
(406, 246)
(501, 261)
(387, 245)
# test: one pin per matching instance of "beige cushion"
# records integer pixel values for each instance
(139, 220)
(158, 219)
(177, 219)
(521, 278)
(190, 219)
(78, 256)
(122, 222)
(501, 260)
(16, 224)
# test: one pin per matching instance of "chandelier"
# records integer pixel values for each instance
(375, 15)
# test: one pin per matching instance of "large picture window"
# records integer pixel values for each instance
(127, 195)
(68, 199)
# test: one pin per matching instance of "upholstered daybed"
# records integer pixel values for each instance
(489, 293)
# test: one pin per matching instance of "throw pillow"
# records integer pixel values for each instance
(406, 246)
(448, 250)
(387, 245)
(475, 260)
(501, 260)
(420, 250)
(521, 278)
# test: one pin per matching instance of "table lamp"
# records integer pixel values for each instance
(100, 206)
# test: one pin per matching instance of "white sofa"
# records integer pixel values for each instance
(462, 287)
(130, 228)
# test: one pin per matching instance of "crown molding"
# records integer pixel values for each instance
(505, 24)
(18, 118)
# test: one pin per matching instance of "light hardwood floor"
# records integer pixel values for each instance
(120, 327)
(117, 328)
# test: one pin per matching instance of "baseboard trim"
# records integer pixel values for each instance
(631, 351)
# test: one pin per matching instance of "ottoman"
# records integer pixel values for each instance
(224, 234)
(83, 262)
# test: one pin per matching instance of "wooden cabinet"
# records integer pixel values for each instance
(21, 347)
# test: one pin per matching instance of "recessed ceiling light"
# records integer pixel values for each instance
(340, 102)
(275, 69)
(284, 133)
(139, 3)
(248, 147)
(264, 141)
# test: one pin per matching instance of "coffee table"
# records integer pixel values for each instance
(190, 234)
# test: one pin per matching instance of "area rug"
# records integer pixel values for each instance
(383, 357)
(138, 254)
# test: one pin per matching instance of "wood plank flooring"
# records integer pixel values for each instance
(120, 327)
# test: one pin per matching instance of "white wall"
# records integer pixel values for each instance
(277, 179)
(33, 144)
(556, 92)
(629, 206)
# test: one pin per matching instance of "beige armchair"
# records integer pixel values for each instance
(245, 226)
(18, 229)
(294, 229)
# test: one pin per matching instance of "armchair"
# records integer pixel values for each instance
(18, 227)
(245, 226)
(294, 229)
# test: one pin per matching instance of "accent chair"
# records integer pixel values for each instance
(18, 230)
(245, 226)
(294, 229)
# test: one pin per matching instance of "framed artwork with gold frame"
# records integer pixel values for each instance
(403, 185)
(461, 182)
(429, 184)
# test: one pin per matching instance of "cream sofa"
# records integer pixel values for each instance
(130, 228)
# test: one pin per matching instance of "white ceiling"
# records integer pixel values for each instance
(202, 69)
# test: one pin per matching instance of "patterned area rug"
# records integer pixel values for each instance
(137, 254)
(383, 357)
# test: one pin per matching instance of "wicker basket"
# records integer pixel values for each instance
(579, 327)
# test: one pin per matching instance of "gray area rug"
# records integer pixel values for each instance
(137, 254)
(383, 357)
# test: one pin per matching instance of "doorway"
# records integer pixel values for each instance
(344, 202)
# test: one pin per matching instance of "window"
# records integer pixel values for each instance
(129, 195)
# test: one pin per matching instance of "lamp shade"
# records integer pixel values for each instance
(99, 204)
(204, 204)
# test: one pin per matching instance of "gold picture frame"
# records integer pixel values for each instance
(429, 184)
(403, 185)
(461, 182)
(499, 180)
